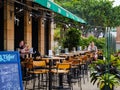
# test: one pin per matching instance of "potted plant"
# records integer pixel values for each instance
(107, 81)
(106, 74)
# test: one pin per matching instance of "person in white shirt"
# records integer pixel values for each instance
(93, 48)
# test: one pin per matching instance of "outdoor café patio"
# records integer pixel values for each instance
(57, 72)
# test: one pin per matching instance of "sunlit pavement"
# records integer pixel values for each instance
(88, 86)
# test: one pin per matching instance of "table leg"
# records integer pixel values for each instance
(50, 75)
(60, 81)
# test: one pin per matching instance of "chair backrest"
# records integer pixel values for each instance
(29, 64)
(63, 66)
(83, 58)
(75, 62)
(39, 63)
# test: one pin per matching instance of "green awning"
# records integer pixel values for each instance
(58, 9)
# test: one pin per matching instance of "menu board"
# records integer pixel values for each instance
(10, 71)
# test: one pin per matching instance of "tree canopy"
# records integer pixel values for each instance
(94, 12)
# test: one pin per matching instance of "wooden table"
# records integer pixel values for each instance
(50, 67)
(26, 55)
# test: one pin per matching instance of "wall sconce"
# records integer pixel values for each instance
(20, 10)
(42, 21)
(52, 20)
(29, 21)
(82, 27)
(17, 21)
(95, 29)
(69, 25)
(11, 14)
(31, 15)
(66, 26)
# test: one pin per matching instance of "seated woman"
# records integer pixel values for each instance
(23, 49)
(92, 48)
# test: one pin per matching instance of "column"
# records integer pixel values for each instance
(51, 32)
(8, 25)
(28, 27)
(51, 35)
(41, 37)
(118, 34)
(118, 38)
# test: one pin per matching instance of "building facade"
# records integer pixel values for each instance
(25, 20)
(118, 38)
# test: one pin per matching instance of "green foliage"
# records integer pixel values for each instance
(116, 16)
(72, 38)
(57, 34)
(99, 42)
(106, 73)
(107, 79)
(95, 12)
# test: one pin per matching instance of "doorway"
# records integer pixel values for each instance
(46, 36)
(35, 33)
(19, 25)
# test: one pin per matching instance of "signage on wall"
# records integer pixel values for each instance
(10, 71)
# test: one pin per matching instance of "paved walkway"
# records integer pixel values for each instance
(88, 86)
(84, 85)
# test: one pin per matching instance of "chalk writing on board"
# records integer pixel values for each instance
(9, 77)
(6, 57)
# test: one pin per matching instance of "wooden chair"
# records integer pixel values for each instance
(61, 70)
(28, 66)
(38, 70)
(84, 67)
(76, 72)
(76, 66)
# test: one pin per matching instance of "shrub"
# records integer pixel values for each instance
(72, 38)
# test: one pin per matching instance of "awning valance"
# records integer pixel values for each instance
(58, 9)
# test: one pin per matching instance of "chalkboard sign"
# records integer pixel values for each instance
(10, 71)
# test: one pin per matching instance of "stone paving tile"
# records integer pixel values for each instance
(88, 86)
(85, 86)
(76, 86)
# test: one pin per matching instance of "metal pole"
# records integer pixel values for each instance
(50, 75)
(108, 54)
